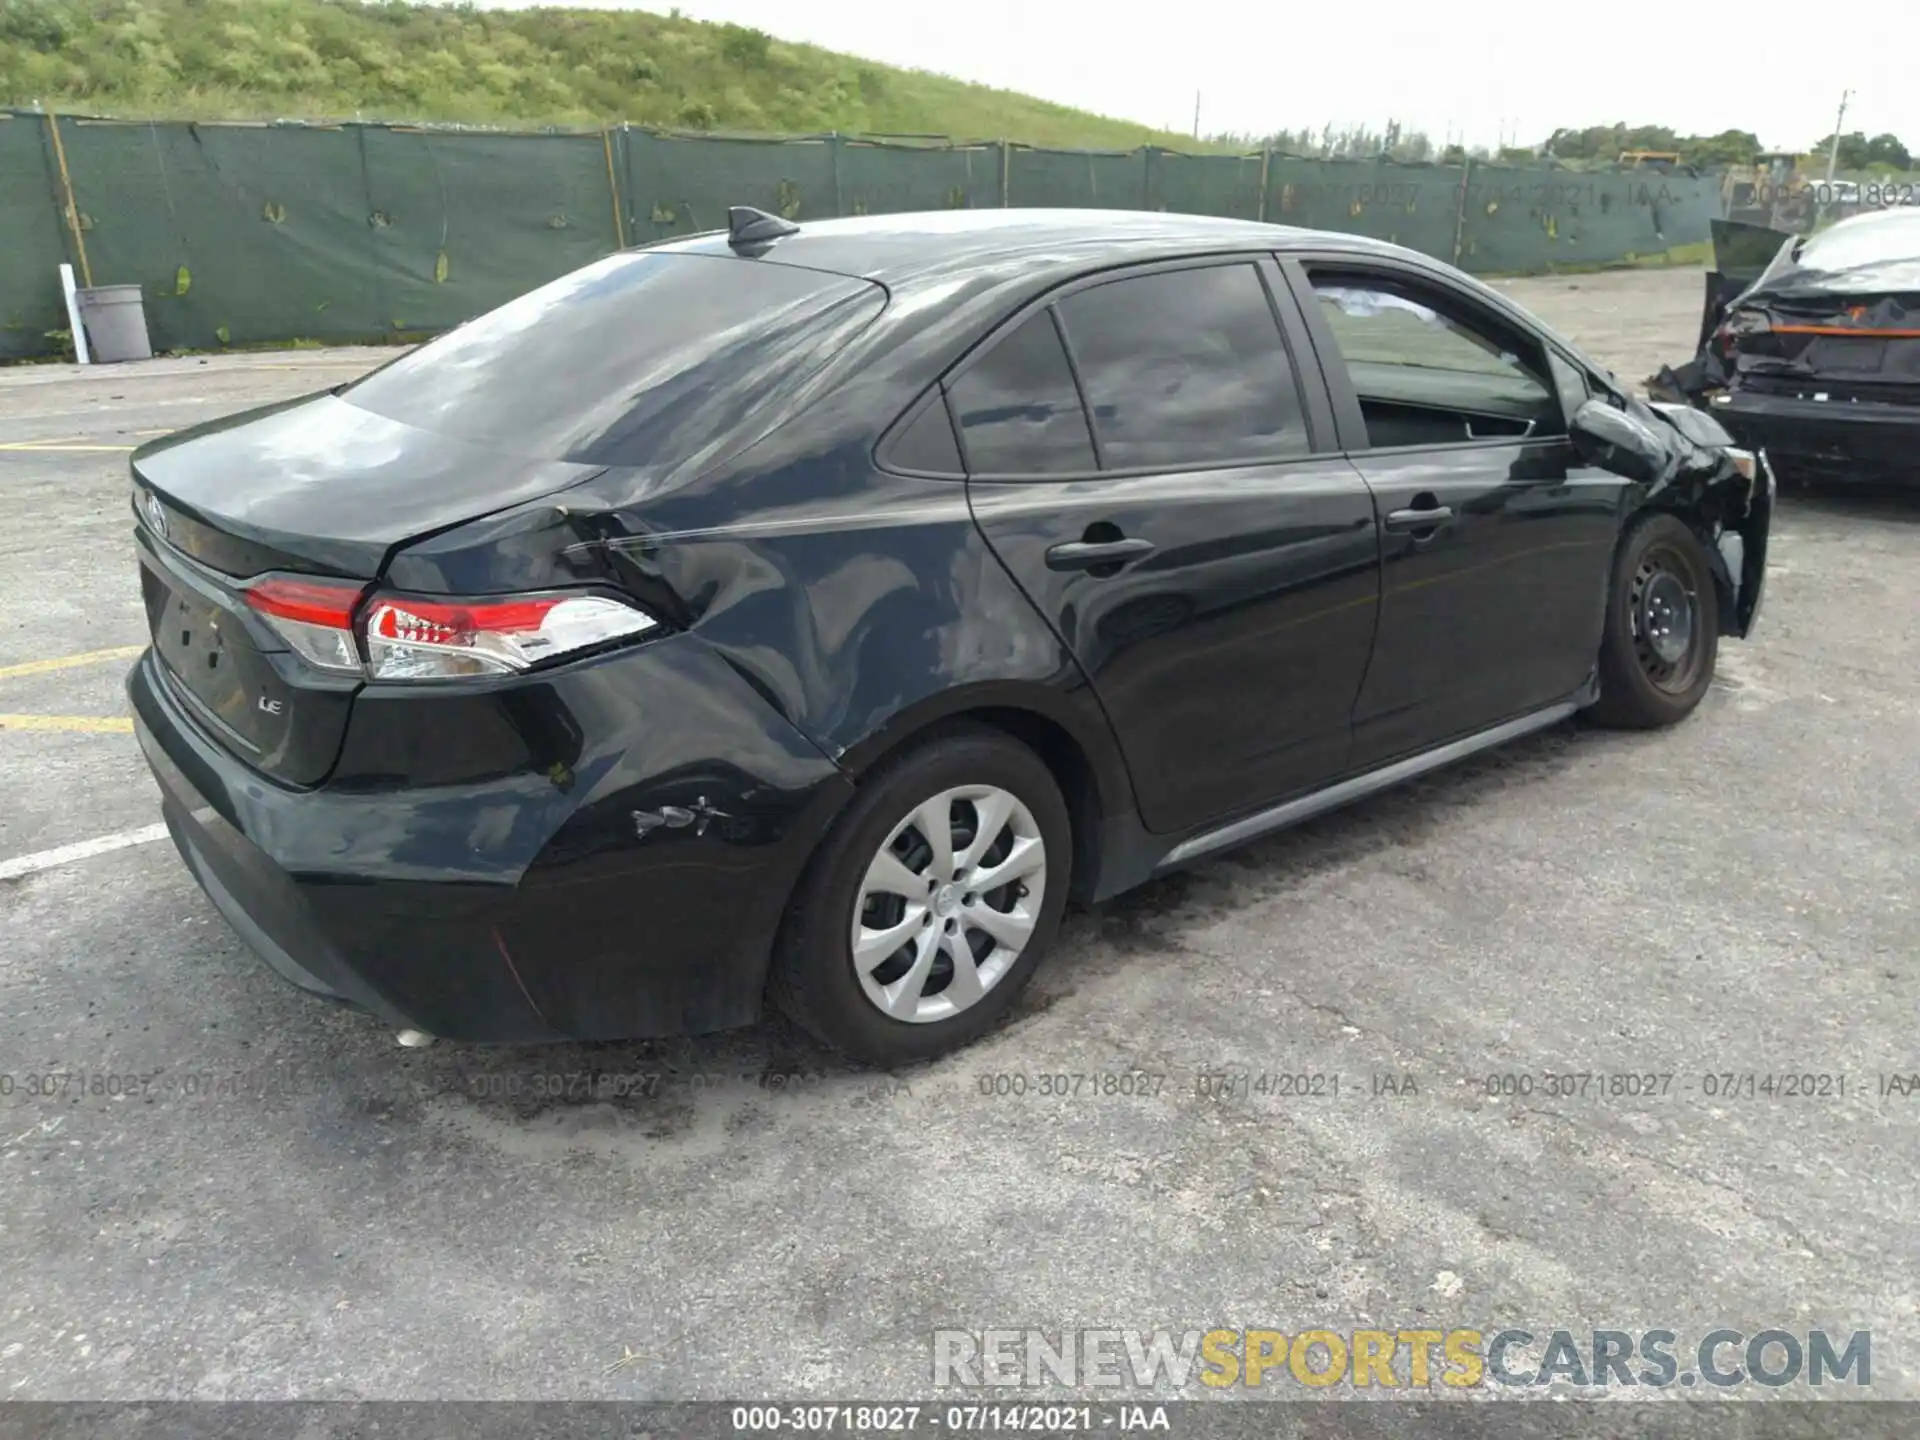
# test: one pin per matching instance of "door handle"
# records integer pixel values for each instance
(1092, 554)
(1401, 522)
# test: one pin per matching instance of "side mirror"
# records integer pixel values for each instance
(1616, 441)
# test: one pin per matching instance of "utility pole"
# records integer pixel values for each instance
(1196, 115)
(1833, 158)
(1833, 150)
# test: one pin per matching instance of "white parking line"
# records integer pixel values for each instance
(48, 859)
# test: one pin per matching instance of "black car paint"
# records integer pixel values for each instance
(484, 870)
(1454, 652)
(1457, 648)
(479, 861)
(1240, 627)
(1227, 660)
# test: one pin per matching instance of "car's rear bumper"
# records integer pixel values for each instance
(1837, 440)
(528, 901)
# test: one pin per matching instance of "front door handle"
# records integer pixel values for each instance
(1401, 522)
(1092, 554)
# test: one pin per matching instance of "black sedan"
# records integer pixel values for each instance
(1810, 347)
(813, 611)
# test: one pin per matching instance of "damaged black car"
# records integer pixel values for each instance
(809, 612)
(1810, 347)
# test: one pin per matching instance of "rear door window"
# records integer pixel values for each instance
(1185, 368)
(1018, 408)
(640, 359)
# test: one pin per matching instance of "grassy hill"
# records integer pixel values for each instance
(338, 59)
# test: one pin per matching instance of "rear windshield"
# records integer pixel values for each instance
(1870, 253)
(1870, 240)
(639, 359)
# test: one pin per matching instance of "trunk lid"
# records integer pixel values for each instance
(325, 487)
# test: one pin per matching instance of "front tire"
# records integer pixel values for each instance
(931, 901)
(1663, 627)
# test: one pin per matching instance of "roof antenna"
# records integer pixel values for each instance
(748, 226)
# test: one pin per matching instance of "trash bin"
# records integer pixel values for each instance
(116, 323)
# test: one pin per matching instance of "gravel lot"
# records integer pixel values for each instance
(293, 1206)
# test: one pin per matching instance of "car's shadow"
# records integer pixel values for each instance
(1408, 817)
(662, 1088)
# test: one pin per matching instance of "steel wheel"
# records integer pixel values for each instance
(948, 903)
(1664, 607)
(1662, 631)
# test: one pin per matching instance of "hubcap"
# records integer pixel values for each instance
(948, 904)
(1666, 630)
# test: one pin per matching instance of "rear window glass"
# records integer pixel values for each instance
(1887, 239)
(638, 359)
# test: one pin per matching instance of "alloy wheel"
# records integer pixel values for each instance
(949, 903)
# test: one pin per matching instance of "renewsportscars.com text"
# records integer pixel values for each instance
(1411, 1359)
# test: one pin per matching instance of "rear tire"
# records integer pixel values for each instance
(902, 944)
(1663, 627)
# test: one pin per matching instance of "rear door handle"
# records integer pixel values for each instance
(1402, 521)
(1089, 554)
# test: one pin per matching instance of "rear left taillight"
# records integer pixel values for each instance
(419, 637)
(414, 638)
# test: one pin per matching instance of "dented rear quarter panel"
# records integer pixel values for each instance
(864, 606)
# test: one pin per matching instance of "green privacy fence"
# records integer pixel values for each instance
(244, 234)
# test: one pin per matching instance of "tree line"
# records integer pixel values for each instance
(1594, 144)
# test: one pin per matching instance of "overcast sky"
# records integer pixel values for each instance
(1472, 68)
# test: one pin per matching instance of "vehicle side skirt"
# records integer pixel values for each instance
(1152, 855)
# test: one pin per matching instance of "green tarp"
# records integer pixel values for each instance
(246, 234)
(1077, 179)
(1517, 220)
(678, 186)
(1411, 205)
(31, 247)
(878, 178)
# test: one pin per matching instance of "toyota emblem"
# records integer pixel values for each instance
(156, 515)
